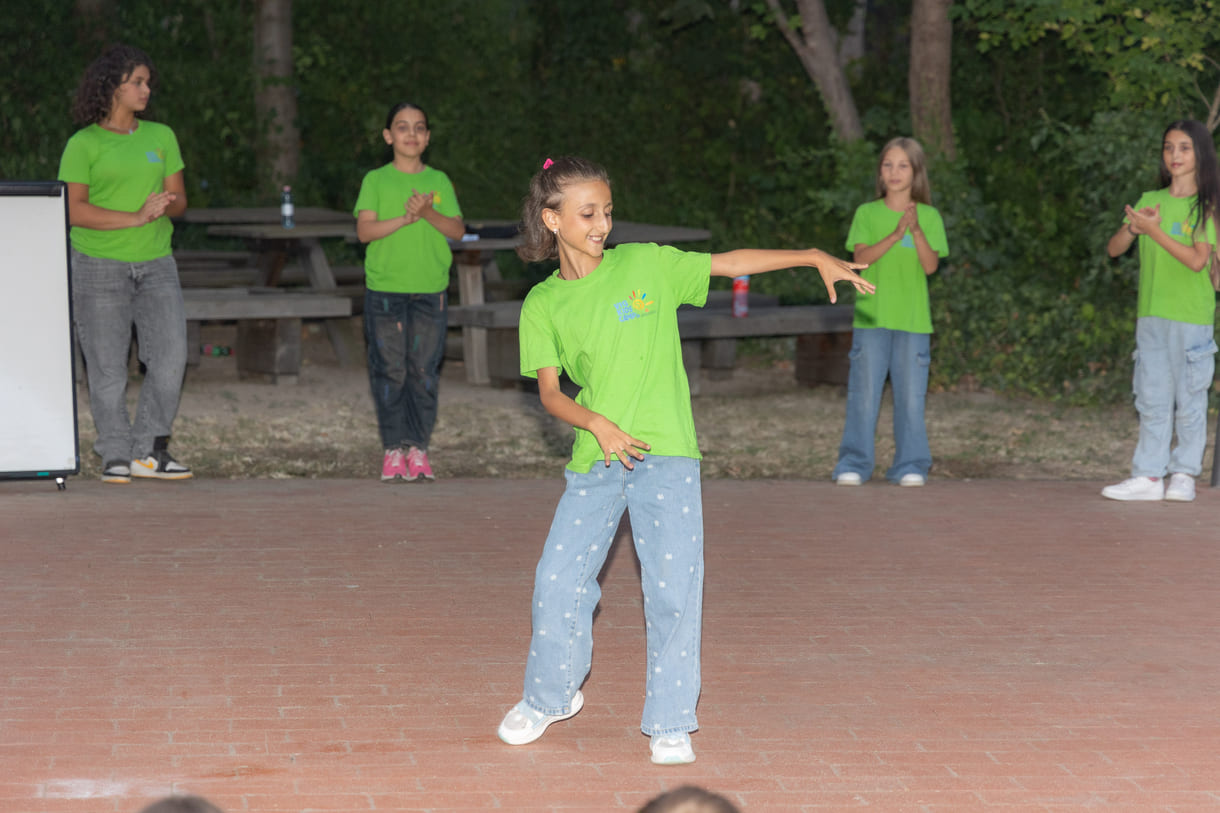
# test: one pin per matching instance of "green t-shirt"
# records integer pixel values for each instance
(1168, 288)
(615, 333)
(416, 258)
(121, 171)
(901, 300)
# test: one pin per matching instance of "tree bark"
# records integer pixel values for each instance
(928, 77)
(851, 48)
(275, 100)
(815, 46)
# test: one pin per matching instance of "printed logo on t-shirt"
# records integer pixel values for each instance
(635, 306)
(156, 156)
(1178, 229)
(907, 240)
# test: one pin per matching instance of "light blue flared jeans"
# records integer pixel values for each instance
(664, 500)
(875, 354)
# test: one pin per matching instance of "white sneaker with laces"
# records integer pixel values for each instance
(912, 480)
(1181, 488)
(849, 478)
(1136, 489)
(672, 749)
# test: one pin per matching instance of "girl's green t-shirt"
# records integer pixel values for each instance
(615, 334)
(416, 258)
(121, 171)
(901, 300)
(1168, 288)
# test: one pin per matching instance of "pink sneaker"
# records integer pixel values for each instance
(394, 466)
(418, 466)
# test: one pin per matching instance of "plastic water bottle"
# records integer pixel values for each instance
(287, 219)
(741, 294)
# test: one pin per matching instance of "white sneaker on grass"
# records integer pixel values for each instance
(672, 749)
(1181, 488)
(524, 724)
(912, 480)
(849, 478)
(1136, 489)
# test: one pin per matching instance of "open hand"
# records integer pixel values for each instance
(615, 443)
(833, 270)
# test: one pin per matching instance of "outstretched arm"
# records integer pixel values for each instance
(614, 442)
(758, 261)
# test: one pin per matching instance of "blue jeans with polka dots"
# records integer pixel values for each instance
(663, 498)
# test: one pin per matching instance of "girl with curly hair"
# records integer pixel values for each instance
(124, 181)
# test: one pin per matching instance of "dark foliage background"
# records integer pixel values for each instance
(703, 119)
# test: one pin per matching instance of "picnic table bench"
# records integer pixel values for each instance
(709, 337)
(268, 325)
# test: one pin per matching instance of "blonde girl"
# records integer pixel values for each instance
(901, 238)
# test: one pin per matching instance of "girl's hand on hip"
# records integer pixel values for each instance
(615, 443)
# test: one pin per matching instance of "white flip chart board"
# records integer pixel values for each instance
(38, 433)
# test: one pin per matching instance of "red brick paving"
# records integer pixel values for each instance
(348, 646)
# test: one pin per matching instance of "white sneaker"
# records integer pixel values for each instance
(912, 480)
(672, 749)
(849, 478)
(1181, 488)
(523, 724)
(1147, 489)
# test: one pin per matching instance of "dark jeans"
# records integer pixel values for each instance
(406, 343)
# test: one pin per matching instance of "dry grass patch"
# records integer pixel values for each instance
(758, 424)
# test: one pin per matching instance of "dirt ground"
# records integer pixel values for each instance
(760, 423)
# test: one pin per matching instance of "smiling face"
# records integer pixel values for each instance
(582, 222)
(408, 133)
(1178, 153)
(133, 93)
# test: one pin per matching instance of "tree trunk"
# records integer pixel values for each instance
(851, 49)
(275, 100)
(815, 46)
(931, 46)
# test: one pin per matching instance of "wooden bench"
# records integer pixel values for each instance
(268, 325)
(709, 337)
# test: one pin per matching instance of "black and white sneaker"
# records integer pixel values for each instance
(160, 465)
(116, 471)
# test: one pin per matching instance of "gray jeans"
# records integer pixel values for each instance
(108, 297)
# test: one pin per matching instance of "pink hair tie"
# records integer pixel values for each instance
(547, 163)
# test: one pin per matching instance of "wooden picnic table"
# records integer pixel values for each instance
(273, 244)
(262, 214)
(472, 254)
